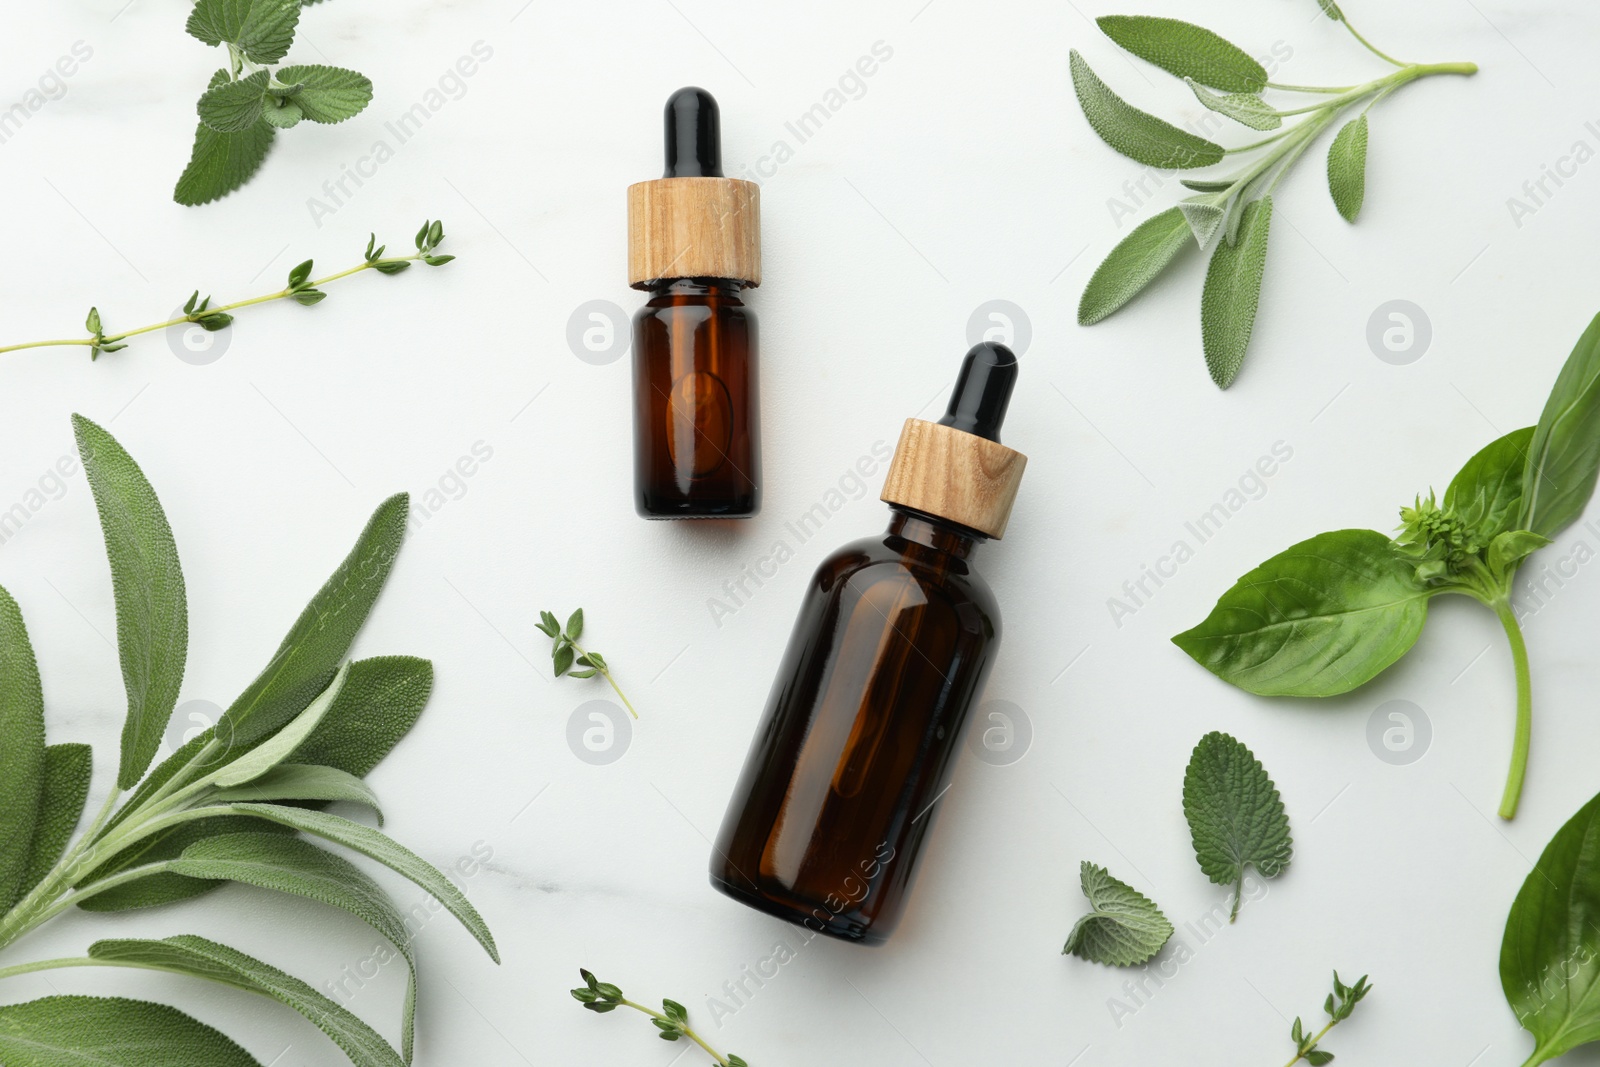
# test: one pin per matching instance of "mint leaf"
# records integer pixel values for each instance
(110, 1032)
(1138, 260)
(1347, 167)
(1550, 953)
(1134, 133)
(202, 958)
(1236, 818)
(234, 105)
(290, 865)
(22, 750)
(1232, 293)
(281, 114)
(328, 94)
(221, 162)
(1124, 928)
(1186, 50)
(262, 29)
(147, 580)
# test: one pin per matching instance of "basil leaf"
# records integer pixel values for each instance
(1134, 133)
(1564, 457)
(1233, 292)
(1487, 492)
(1320, 618)
(1187, 50)
(1347, 168)
(1550, 954)
(1136, 262)
(22, 750)
(147, 582)
(111, 1032)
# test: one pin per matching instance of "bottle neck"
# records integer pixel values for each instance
(925, 530)
(705, 288)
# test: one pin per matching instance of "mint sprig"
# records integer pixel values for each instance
(300, 287)
(247, 102)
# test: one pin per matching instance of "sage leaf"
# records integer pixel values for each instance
(328, 94)
(1123, 928)
(1207, 185)
(1330, 8)
(1138, 260)
(22, 750)
(1487, 492)
(234, 105)
(1564, 455)
(1320, 618)
(262, 29)
(1186, 50)
(1347, 167)
(163, 887)
(1550, 953)
(374, 845)
(381, 700)
(277, 748)
(1136, 134)
(1247, 109)
(1236, 817)
(147, 582)
(202, 958)
(67, 771)
(320, 639)
(1232, 292)
(111, 1032)
(1204, 217)
(303, 781)
(297, 867)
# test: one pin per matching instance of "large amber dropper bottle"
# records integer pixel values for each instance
(895, 636)
(694, 243)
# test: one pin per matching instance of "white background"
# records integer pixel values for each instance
(963, 173)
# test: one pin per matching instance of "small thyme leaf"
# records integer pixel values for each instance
(1236, 817)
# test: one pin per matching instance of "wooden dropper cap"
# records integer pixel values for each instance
(693, 222)
(956, 469)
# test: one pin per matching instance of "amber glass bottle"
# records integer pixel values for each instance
(694, 245)
(895, 637)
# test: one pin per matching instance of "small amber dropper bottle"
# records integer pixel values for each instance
(694, 243)
(895, 637)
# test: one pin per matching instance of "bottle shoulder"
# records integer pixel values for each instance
(868, 561)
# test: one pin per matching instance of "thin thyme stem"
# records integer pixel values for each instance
(606, 674)
(196, 316)
(1524, 727)
(1298, 1056)
(722, 1061)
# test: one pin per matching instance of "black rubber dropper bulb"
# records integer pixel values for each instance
(694, 135)
(983, 390)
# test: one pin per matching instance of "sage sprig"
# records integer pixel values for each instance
(300, 287)
(566, 653)
(1230, 214)
(1333, 611)
(671, 1022)
(248, 102)
(228, 806)
(1339, 1006)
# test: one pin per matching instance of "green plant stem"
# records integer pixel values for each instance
(196, 316)
(1369, 45)
(1524, 729)
(1309, 88)
(1298, 1056)
(722, 1061)
(606, 674)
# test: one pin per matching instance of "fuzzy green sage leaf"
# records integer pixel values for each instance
(1136, 134)
(1187, 51)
